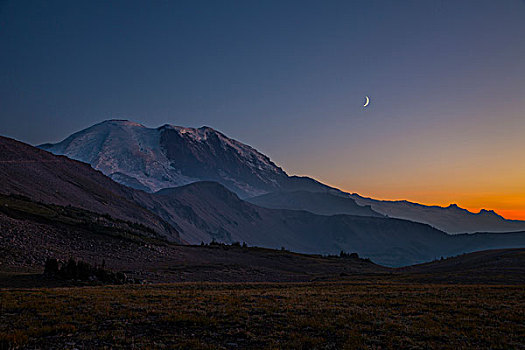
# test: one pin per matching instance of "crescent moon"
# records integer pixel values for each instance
(367, 102)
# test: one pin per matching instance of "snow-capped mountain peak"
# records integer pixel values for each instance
(169, 156)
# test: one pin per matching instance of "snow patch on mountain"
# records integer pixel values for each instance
(121, 147)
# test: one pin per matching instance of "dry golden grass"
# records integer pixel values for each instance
(342, 315)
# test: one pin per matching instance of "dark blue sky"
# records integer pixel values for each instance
(446, 81)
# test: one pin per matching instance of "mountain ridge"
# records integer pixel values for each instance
(151, 159)
(451, 219)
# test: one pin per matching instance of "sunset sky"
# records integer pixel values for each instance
(446, 79)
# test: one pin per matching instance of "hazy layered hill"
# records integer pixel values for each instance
(204, 211)
(451, 219)
(323, 203)
(44, 177)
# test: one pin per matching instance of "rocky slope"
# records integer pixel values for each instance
(44, 177)
(31, 232)
(323, 203)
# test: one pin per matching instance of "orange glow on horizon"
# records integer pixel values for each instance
(510, 207)
(508, 204)
(471, 163)
(511, 214)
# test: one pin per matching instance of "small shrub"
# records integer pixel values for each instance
(82, 271)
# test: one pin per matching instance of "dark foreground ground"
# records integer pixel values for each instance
(374, 314)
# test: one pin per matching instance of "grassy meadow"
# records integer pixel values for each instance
(331, 315)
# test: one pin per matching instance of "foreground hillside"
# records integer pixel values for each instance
(32, 232)
(362, 315)
(206, 211)
(503, 266)
(44, 177)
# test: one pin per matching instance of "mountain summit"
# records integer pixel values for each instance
(151, 159)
